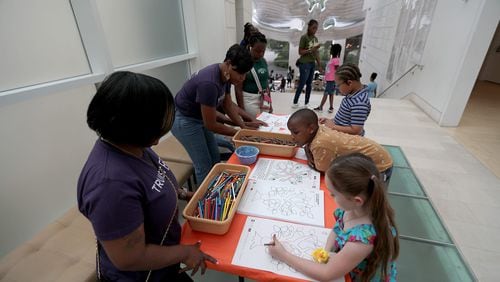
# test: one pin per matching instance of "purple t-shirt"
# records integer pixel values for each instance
(203, 88)
(118, 192)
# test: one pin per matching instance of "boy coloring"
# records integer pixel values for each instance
(323, 145)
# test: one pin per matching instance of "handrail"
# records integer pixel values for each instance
(397, 80)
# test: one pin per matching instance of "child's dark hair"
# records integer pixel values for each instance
(304, 116)
(131, 108)
(240, 58)
(373, 76)
(335, 50)
(348, 72)
(312, 22)
(257, 37)
(356, 174)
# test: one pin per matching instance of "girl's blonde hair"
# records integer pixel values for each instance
(356, 174)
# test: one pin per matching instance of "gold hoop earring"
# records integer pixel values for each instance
(227, 75)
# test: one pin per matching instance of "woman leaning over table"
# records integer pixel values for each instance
(247, 93)
(127, 192)
(197, 102)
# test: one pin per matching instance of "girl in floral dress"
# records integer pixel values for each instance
(364, 240)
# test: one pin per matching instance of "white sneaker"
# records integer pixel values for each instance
(306, 106)
(295, 106)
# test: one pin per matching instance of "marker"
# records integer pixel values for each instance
(269, 244)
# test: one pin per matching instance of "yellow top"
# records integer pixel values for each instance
(328, 144)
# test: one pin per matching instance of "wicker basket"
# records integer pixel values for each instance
(266, 149)
(209, 225)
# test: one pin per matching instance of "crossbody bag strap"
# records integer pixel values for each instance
(256, 78)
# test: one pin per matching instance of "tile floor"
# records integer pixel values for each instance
(464, 192)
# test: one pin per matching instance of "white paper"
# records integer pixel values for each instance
(292, 203)
(301, 154)
(286, 172)
(276, 123)
(300, 240)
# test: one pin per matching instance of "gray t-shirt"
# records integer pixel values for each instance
(118, 192)
(203, 88)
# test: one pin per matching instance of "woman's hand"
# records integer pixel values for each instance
(255, 124)
(276, 249)
(195, 259)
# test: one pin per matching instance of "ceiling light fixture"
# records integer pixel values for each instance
(321, 4)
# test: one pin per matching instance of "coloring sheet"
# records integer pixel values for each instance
(300, 240)
(277, 123)
(286, 172)
(301, 154)
(276, 200)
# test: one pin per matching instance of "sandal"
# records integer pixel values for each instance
(318, 109)
(330, 110)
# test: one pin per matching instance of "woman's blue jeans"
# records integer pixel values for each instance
(199, 142)
(306, 78)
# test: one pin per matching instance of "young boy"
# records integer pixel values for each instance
(355, 107)
(372, 86)
(322, 144)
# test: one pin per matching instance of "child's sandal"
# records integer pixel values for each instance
(318, 109)
(330, 110)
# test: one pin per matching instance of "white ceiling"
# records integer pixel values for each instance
(287, 19)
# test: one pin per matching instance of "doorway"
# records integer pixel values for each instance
(479, 128)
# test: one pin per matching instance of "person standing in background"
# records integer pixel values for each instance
(372, 86)
(308, 51)
(331, 67)
(248, 95)
(289, 77)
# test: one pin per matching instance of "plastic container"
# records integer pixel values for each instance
(264, 148)
(247, 154)
(209, 225)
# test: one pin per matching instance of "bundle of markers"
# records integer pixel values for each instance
(220, 197)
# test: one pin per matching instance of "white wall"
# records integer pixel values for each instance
(44, 136)
(243, 15)
(45, 142)
(216, 30)
(378, 39)
(458, 39)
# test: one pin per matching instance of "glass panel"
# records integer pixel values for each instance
(404, 181)
(397, 156)
(40, 43)
(141, 31)
(426, 262)
(417, 218)
(173, 75)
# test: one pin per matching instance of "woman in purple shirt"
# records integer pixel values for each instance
(127, 192)
(197, 102)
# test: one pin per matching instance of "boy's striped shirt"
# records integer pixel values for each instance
(354, 109)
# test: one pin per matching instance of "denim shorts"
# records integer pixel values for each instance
(330, 88)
